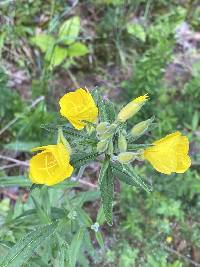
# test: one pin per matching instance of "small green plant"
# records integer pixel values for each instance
(64, 45)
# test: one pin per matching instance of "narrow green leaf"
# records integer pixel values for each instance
(40, 212)
(10, 181)
(84, 217)
(26, 246)
(75, 248)
(110, 109)
(80, 159)
(99, 239)
(21, 146)
(101, 105)
(137, 146)
(56, 213)
(127, 174)
(70, 133)
(100, 216)
(107, 188)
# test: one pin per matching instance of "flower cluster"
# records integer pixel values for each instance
(52, 164)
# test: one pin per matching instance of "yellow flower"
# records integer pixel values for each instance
(169, 239)
(78, 107)
(51, 166)
(131, 108)
(169, 154)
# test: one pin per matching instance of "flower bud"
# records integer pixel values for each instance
(140, 128)
(126, 157)
(122, 144)
(105, 135)
(102, 127)
(102, 145)
(131, 108)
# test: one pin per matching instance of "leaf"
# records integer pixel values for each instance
(137, 146)
(84, 218)
(100, 216)
(26, 246)
(99, 239)
(137, 31)
(106, 188)
(56, 213)
(80, 159)
(40, 212)
(69, 30)
(77, 49)
(75, 247)
(128, 175)
(70, 133)
(106, 108)
(43, 41)
(21, 146)
(110, 109)
(10, 181)
(56, 56)
(87, 196)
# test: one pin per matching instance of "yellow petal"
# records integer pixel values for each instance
(169, 154)
(50, 166)
(141, 99)
(78, 107)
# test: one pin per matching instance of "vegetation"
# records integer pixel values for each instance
(123, 49)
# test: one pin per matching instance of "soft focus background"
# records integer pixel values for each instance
(126, 48)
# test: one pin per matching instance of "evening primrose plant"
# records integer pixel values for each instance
(96, 133)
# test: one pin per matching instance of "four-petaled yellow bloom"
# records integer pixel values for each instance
(169, 154)
(78, 107)
(131, 108)
(51, 166)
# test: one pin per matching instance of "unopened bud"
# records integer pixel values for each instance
(131, 108)
(140, 128)
(102, 146)
(105, 135)
(102, 127)
(126, 157)
(122, 144)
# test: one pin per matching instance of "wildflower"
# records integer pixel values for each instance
(169, 239)
(169, 154)
(131, 108)
(78, 107)
(51, 166)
